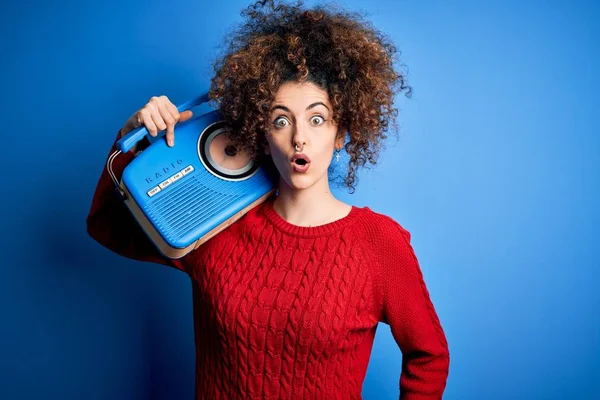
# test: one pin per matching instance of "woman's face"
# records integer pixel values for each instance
(302, 137)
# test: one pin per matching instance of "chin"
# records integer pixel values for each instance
(301, 182)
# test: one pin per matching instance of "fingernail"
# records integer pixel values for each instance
(170, 141)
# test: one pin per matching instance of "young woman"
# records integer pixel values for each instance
(287, 299)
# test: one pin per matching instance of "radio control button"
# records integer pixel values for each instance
(177, 176)
(187, 169)
(153, 191)
(165, 183)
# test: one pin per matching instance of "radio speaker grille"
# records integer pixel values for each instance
(187, 206)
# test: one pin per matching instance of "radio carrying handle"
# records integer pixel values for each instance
(128, 141)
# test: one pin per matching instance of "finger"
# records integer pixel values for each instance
(185, 115)
(146, 119)
(137, 121)
(153, 106)
(170, 121)
(179, 117)
(172, 110)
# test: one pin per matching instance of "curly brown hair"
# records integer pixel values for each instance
(335, 49)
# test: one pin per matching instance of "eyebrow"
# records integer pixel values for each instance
(313, 105)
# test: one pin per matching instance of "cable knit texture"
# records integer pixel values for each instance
(289, 312)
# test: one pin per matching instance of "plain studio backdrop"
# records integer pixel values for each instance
(495, 172)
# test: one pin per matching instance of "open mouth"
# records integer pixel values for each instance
(300, 162)
(300, 159)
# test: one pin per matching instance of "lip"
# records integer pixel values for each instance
(300, 155)
(300, 168)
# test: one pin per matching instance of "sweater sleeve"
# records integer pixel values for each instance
(110, 223)
(407, 308)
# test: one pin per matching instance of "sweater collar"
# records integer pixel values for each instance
(304, 231)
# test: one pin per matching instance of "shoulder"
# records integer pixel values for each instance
(391, 258)
(380, 228)
(388, 244)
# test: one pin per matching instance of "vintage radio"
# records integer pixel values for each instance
(184, 195)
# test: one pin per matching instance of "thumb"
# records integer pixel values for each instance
(185, 115)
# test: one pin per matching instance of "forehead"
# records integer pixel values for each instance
(297, 94)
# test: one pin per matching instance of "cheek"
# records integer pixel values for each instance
(274, 150)
(327, 146)
(269, 145)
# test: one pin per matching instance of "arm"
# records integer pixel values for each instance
(407, 308)
(111, 224)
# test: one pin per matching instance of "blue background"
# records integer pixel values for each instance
(495, 173)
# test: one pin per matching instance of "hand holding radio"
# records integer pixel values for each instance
(157, 115)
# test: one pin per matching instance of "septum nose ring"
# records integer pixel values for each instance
(299, 149)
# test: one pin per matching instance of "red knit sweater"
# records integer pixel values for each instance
(287, 312)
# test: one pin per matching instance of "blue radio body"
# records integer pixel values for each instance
(184, 195)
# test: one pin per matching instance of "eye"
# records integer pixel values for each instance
(281, 122)
(317, 120)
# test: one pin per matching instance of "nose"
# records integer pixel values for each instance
(299, 136)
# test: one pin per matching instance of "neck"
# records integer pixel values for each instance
(307, 207)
